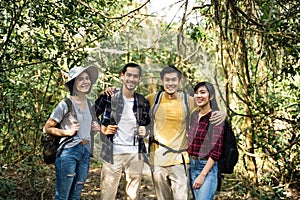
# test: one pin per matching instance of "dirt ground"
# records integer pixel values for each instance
(38, 182)
(92, 187)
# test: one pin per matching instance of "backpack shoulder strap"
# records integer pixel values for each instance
(157, 100)
(73, 113)
(141, 104)
(113, 104)
(92, 109)
(141, 99)
(70, 107)
(186, 109)
(94, 118)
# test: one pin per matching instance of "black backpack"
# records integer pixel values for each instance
(50, 143)
(230, 154)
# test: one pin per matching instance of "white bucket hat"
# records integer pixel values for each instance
(76, 71)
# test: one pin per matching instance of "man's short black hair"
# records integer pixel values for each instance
(132, 65)
(170, 69)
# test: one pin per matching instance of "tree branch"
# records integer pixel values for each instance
(117, 17)
(296, 141)
(201, 7)
(238, 10)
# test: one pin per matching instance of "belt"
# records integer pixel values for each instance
(84, 142)
(198, 158)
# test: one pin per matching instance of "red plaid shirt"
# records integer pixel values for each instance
(205, 139)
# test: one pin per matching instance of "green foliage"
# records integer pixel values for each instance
(254, 54)
(7, 189)
(259, 55)
(40, 41)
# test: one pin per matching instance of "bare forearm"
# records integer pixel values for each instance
(54, 131)
(209, 164)
(201, 177)
(50, 128)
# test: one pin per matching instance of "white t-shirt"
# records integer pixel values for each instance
(125, 140)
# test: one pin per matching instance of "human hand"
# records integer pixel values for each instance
(199, 181)
(109, 130)
(74, 128)
(218, 117)
(96, 126)
(110, 91)
(142, 131)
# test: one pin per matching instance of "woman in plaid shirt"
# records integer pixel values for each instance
(205, 143)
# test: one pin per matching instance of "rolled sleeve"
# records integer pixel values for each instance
(217, 141)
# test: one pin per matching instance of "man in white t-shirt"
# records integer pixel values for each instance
(124, 116)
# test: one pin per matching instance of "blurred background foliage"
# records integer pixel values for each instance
(248, 49)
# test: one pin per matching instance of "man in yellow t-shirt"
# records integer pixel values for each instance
(168, 154)
(169, 129)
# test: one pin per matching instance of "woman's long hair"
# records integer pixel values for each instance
(211, 90)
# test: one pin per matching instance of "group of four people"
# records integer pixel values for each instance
(185, 136)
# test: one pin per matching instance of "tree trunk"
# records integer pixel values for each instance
(233, 54)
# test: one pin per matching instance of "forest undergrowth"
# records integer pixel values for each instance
(22, 182)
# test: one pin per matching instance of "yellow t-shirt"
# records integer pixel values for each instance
(169, 129)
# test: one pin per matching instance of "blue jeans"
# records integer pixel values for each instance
(71, 172)
(209, 187)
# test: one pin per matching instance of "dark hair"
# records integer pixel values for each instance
(132, 65)
(170, 69)
(71, 84)
(211, 90)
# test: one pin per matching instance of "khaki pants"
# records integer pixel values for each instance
(171, 182)
(132, 166)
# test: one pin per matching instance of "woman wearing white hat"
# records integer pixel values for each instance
(72, 164)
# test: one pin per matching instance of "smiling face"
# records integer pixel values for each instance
(83, 83)
(131, 78)
(202, 97)
(171, 82)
